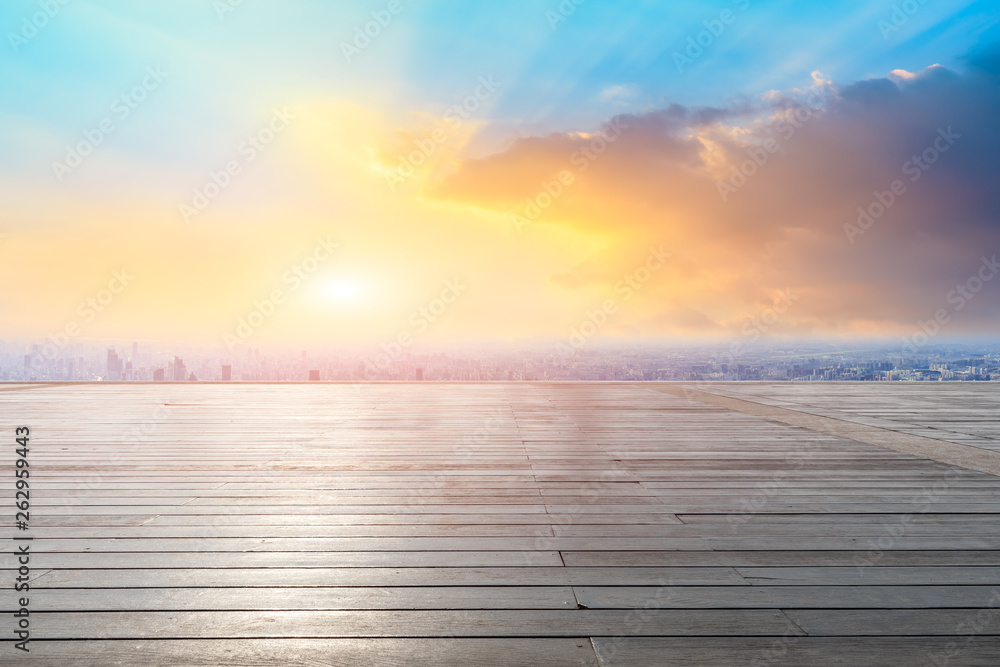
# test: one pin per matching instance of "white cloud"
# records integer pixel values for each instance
(618, 92)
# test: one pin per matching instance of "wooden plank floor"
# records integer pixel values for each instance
(966, 413)
(480, 524)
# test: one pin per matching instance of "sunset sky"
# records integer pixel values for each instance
(522, 163)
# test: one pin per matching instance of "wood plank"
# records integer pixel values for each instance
(352, 519)
(951, 453)
(793, 651)
(303, 598)
(779, 558)
(775, 597)
(469, 623)
(982, 622)
(385, 577)
(391, 652)
(238, 559)
(864, 575)
(334, 545)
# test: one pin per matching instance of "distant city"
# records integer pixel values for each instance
(803, 362)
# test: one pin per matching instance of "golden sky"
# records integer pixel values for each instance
(217, 179)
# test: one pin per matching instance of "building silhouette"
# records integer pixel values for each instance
(178, 372)
(115, 365)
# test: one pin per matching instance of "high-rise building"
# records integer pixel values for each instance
(115, 365)
(158, 375)
(179, 371)
(420, 374)
(227, 373)
(314, 376)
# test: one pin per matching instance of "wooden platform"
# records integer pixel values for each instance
(525, 524)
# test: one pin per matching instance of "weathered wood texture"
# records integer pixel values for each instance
(476, 524)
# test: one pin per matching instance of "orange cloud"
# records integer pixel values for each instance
(759, 198)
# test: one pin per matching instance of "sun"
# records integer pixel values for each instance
(343, 291)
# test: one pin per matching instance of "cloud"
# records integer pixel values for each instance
(821, 153)
(618, 93)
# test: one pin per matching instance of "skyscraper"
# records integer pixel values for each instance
(114, 365)
(227, 373)
(179, 373)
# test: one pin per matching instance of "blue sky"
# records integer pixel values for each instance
(563, 69)
(432, 52)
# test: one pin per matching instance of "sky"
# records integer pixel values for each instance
(259, 172)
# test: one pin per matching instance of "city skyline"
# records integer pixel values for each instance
(791, 361)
